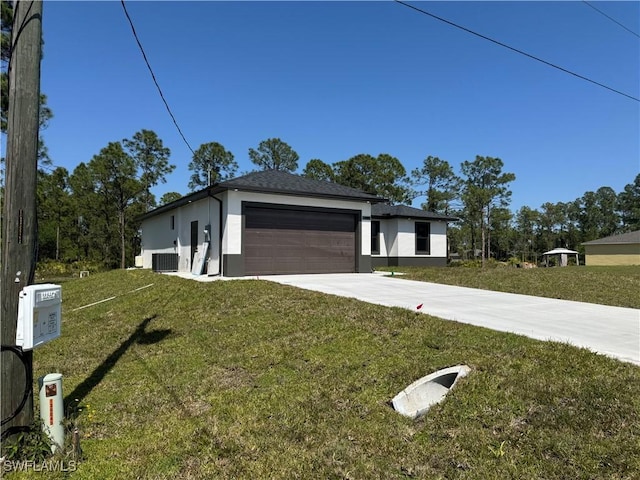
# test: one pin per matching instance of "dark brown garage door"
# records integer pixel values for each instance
(280, 241)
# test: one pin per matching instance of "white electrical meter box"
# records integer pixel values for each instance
(39, 315)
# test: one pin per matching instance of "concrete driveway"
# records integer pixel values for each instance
(612, 331)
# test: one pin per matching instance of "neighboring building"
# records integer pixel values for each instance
(407, 236)
(273, 222)
(623, 249)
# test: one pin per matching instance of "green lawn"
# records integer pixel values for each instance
(617, 286)
(251, 379)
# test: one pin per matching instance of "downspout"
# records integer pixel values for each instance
(219, 230)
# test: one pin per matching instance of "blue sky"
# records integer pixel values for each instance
(335, 79)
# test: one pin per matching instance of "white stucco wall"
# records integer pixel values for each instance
(406, 238)
(157, 236)
(388, 238)
(398, 239)
(438, 239)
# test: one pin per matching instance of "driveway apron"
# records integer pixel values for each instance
(612, 331)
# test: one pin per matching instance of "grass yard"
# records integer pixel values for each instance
(251, 379)
(616, 286)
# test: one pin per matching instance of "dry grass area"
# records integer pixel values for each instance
(251, 379)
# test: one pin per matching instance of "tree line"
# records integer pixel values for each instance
(92, 214)
(479, 196)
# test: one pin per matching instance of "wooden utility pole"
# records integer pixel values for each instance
(19, 234)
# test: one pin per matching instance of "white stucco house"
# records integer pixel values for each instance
(273, 222)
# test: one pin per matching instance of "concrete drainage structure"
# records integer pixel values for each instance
(421, 395)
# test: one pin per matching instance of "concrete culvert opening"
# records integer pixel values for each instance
(446, 381)
(415, 400)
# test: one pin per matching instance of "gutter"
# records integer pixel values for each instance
(219, 230)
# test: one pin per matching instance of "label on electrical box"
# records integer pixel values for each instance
(39, 315)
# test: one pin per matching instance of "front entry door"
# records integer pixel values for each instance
(194, 241)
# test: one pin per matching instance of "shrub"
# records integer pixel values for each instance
(32, 445)
(56, 269)
(514, 261)
(52, 268)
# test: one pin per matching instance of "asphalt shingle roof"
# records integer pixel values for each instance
(629, 237)
(384, 210)
(276, 181)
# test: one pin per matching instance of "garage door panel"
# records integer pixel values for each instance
(277, 219)
(308, 245)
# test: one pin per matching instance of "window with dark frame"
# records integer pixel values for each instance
(173, 222)
(423, 229)
(375, 236)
